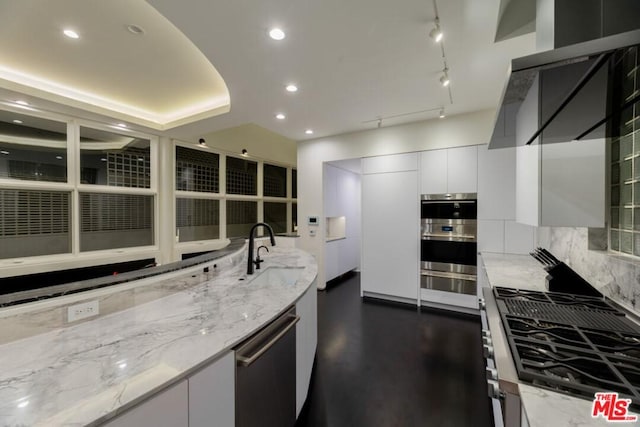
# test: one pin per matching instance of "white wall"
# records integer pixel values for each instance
(454, 131)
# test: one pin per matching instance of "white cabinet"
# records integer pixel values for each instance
(496, 183)
(462, 169)
(561, 184)
(490, 235)
(451, 170)
(433, 172)
(169, 408)
(341, 256)
(306, 342)
(332, 258)
(212, 394)
(390, 230)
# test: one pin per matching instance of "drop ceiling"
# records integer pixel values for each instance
(358, 64)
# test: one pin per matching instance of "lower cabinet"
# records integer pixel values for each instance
(306, 343)
(170, 408)
(341, 256)
(212, 394)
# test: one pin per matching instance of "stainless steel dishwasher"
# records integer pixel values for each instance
(266, 375)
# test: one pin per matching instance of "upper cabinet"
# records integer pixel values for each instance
(561, 185)
(433, 172)
(462, 169)
(451, 170)
(496, 183)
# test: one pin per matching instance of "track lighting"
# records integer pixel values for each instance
(442, 116)
(245, 153)
(436, 33)
(444, 78)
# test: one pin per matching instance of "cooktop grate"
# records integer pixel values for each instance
(581, 317)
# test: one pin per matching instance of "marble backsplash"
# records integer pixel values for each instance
(615, 276)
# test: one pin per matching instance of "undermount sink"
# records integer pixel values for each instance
(287, 276)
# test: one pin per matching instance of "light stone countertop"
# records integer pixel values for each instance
(514, 271)
(88, 372)
(544, 408)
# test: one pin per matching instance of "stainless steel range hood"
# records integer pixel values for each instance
(573, 92)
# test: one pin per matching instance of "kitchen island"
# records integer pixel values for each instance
(172, 329)
(542, 407)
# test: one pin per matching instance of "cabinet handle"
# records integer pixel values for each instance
(248, 360)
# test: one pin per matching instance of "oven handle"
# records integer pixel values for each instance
(449, 238)
(449, 275)
(451, 201)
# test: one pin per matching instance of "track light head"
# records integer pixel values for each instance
(441, 115)
(436, 33)
(444, 78)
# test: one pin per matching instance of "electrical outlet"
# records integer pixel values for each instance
(82, 311)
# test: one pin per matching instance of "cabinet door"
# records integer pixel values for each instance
(528, 184)
(573, 184)
(169, 408)
(350, 255)
(433, 172)
(390, 234)
(462, 170)
(496, 183)
(212, 394)
(306, 341)
(331, 259)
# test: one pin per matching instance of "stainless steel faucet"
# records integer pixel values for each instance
(250, 260)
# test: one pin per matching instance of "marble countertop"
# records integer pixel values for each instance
(87, 372)
(514, 271)
(544, 408)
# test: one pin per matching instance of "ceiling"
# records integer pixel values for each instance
(151, 74)
(355, 62)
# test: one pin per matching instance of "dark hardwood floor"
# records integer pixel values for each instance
(386, 365)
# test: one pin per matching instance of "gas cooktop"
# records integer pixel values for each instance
(572, 344)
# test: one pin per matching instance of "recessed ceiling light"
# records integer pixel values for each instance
(309, 132)
(71, 34)
(6, 153)
(121, 125)
(280, 116)
(21, 102)
(17, 121)
(292, 88)
(134, 29)
(277, 34)
(59, 157)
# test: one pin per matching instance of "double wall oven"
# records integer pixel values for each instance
(448, 250)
